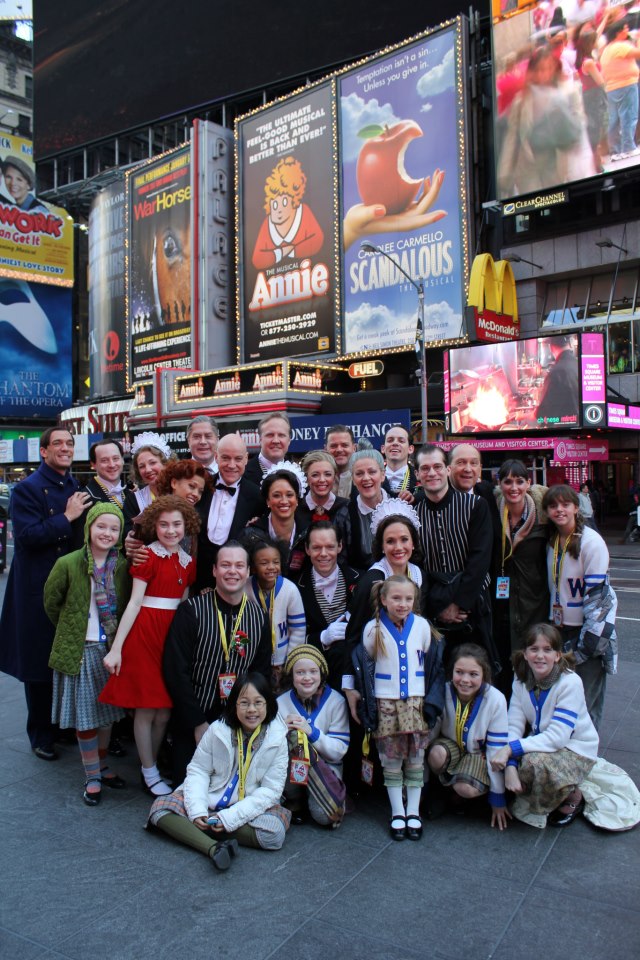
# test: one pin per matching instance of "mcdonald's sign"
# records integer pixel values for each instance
(492, 301)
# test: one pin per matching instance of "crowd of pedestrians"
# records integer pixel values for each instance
(567, 101)
(279, 633)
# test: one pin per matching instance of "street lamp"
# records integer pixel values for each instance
(608, 243)
(514, 258)
(421, 352)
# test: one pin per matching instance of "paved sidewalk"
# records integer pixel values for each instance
(81, 882)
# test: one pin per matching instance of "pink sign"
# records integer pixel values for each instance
(625, 417)
(507, 443)
(593, 369)
(575, 451)
(447, 402)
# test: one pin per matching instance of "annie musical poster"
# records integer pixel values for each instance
(287, 207)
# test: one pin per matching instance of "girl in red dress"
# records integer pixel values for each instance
(160, 583)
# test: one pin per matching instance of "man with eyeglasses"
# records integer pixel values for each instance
(214, 637)
(456, 539)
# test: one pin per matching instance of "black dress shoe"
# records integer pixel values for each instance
(398, 833)
(414, 832)
(45, 753)
(558, 819)
(221, 856)
(115, 748)
(91, 799)
(114, 783)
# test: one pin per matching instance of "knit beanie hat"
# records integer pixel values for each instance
(97, 510)
(306, 652)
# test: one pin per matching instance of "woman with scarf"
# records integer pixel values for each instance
(84, 597)
(520, 591)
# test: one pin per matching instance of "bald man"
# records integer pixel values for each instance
(465, 465)
(227, 510)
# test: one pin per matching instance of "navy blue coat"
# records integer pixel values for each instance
(41, 535)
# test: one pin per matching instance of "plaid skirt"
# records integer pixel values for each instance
(463, 767)
(174, 803)
(75, 701)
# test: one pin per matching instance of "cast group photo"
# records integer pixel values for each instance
(277, 636)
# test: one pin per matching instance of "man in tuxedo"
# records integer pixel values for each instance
(202, 438)
(227, 510)
(275, 437)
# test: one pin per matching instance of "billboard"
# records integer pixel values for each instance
(36, 238)
(107, 329)
(214, 330)
(402, 154)
(35, 325)
(518, 385)
(555, 123)
(287, 241)
(159, 265)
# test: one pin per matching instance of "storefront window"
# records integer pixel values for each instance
(635, 327)
(620, 350)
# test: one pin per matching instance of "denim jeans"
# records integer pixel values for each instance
(623, 117)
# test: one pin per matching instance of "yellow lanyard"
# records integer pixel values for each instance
(223, 632)
(303, 741)
(405, 481)
(505, 521)
(269, 610)
(365, 744)
(557, 564)
(112, 497)
(461, 718)
(244, 761)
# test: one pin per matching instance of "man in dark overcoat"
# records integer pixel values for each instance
(42, 508)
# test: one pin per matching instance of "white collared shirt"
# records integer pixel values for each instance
(395, 478)
(221, 512)
(310, 502)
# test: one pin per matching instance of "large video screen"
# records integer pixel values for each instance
(518, 385)
(563, 73)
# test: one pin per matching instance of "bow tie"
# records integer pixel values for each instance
(230, 490)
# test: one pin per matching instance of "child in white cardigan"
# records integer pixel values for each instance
(281, 601)
(546, 766)
(472, 729)
(398, 641)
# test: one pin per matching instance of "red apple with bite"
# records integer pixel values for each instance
(380, 173)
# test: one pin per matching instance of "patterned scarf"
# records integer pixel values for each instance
(105, 592)
(532, 684)
(523, 528)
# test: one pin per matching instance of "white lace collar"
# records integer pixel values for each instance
(183, 558)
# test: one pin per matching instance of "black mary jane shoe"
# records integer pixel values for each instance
(413, 832)
(398, 833)
(558, 819)
(221, 856)
(114, 782)
(115, 748)
(91, 799)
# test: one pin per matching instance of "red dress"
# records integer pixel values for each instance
(140, 683)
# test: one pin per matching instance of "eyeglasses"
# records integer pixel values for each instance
(256, 704)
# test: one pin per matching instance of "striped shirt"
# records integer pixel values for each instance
(334, 610)
(451, 530)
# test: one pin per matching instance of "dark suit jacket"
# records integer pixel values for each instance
(253, 471)
(249, 504)
(98, 495)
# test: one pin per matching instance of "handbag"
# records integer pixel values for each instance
(611, 798)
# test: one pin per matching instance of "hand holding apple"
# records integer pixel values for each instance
(362, 220)
(380, 171)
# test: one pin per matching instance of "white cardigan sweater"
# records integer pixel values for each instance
(329, 724)
(213, 766)
(484, 733)
(558, 719)
(399, 672)
(289, 619)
